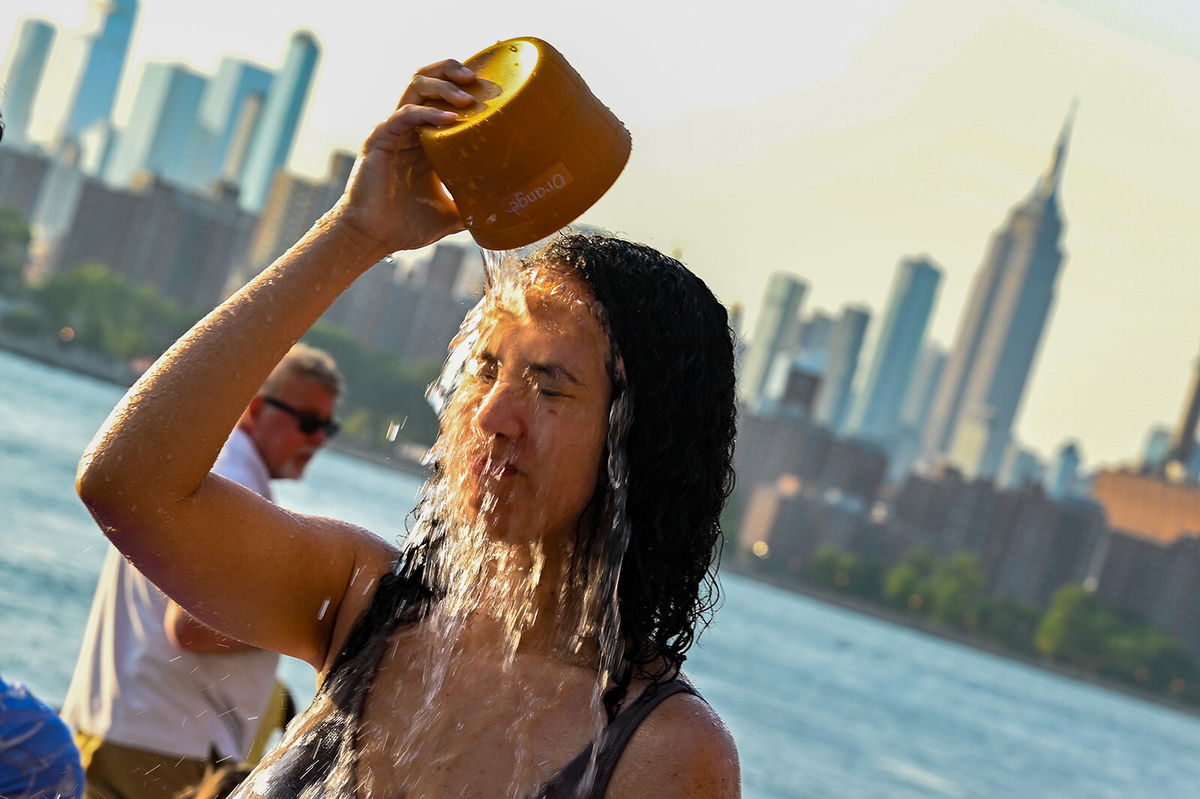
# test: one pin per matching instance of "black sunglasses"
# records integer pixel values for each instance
(308, 423)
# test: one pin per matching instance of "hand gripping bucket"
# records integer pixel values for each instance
(534, 151)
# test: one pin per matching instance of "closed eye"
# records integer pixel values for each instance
(484, 366)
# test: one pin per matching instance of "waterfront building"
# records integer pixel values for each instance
(898, 339)
(791, 389)
(1021, 467)
(156, 234)
(1156, 580)
(411, 313)
(784, 527)
(96, 91)
(26, 65)
(293, 205)
(276, 129)
(226, 120)
(770, 446)
(1064, 476)
(812, 341)
(914, 412)
(993, 354)
(737, 315)
(774, 334)
(55, 208)
(1027, 544)
(1183, 436)
(1148, 505)
(159, 138)
(845, 343)
(800, 487)
(22, 173)
(1156, 449)
(1160, 504)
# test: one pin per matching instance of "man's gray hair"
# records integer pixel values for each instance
(307, 362)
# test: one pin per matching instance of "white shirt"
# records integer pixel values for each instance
(133, 687)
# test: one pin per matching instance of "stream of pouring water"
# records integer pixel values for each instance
(502, 580)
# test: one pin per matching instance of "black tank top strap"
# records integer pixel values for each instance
(571, 782)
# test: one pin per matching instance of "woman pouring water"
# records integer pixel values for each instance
(527, 639)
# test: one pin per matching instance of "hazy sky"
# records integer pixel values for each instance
(830, 142)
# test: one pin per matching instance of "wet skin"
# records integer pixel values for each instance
(296, 584)
(529, 421)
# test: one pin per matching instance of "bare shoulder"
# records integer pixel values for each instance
(373, 557)
(683, 749)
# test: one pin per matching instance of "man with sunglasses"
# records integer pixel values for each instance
(156, 694)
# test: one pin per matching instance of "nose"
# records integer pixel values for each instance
(503, 411)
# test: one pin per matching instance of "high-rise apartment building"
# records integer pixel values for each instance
(295, 203)
(845, 343)
(927, 375)
(774, 333)
(992, 356)
(161, 128)
(31, 51)
(276, 128)
(156, 234)
(96, 90)
(228, 115)
(897, 345)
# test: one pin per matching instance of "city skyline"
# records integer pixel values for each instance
(897, 130)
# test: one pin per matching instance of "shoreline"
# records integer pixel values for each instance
(923, 625)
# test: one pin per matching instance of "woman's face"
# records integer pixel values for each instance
(530, 419)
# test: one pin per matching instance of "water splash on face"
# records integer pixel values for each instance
(526, 594)
(503, 674)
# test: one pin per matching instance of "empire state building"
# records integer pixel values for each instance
(977, 401)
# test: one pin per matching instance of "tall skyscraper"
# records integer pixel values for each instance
(161, 127)
(97, 88)
(927, 375)
(229, 113)
(1156, 449)
(1183, 437)
(276, 129)
(900, 334)
(30, 52)
(812, 342)
(774, 333)
(980, 393)
(834, 396)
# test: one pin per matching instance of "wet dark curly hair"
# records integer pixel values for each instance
(653, 531)
(672, 340)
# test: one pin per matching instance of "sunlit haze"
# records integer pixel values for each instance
(829, 141)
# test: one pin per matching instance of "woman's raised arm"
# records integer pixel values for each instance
(264, 575)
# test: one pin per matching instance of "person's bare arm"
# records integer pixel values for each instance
(185, 631)
(262, 574)
(681, 751)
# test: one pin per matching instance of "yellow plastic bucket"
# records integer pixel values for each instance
(534, 151)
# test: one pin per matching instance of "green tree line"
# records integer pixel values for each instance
(1077, 629)
(96, 309)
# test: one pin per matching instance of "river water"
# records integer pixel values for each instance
(822, 702)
